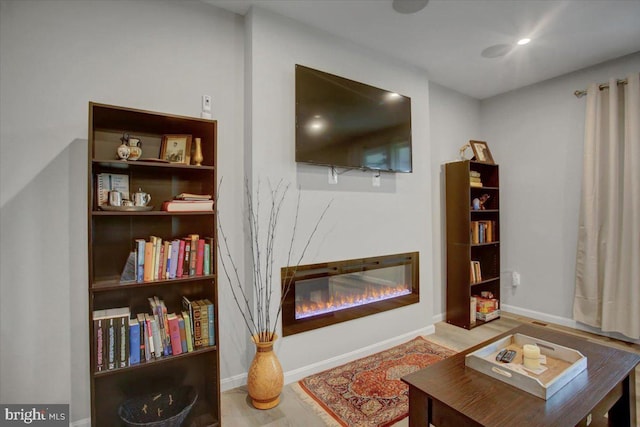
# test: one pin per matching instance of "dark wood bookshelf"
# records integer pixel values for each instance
(461, 249)
(112, 236)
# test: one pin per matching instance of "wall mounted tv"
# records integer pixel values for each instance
(347, 124)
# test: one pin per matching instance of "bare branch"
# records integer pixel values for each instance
(263, 259)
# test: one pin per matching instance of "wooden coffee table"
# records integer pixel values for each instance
(448, 393)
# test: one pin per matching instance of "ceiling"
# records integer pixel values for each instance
(446, 38)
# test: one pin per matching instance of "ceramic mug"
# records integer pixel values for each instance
(115, 198)
(141, 198)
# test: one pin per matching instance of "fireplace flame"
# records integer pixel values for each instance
(368, 295)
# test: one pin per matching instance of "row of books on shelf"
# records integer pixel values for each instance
(484, 307)
(483, 232)
(121, 340)
(173, 259)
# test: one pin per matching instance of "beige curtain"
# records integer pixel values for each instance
(607, 291)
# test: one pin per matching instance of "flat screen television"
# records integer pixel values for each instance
(347, 124)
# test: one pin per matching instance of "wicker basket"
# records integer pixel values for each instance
(167, 408)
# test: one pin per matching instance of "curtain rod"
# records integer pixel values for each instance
(581, 93)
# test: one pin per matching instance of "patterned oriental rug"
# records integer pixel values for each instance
(368, 392)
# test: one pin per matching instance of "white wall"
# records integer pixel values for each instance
(453, 120)
(363, 221)
(536, 135)
(55, 57)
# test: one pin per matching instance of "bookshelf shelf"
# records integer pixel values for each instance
(120, 164)
(116, 284)
(466, 245)
(115, 235)
(165, 359)
(152, 213)
(485, 244)
(484, 282)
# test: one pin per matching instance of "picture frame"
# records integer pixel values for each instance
(481, 152)
(176, 149)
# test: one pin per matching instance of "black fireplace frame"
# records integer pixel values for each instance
(289, 275)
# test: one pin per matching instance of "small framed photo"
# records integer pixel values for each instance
(176, 149)
(481, 152)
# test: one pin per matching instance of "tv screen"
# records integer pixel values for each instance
(344, 123)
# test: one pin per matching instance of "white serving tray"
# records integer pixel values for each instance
(563, 364)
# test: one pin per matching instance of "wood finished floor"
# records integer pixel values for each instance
(294, 412)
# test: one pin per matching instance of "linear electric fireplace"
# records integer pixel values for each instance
(320, 295)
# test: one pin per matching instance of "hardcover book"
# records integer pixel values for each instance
(204, 323)
(174, 330)
(140, 256)
(210, 319)
(187, 206)
(100, 340)
(112, 343)
(148, 261)
(183, 334)
(150, 350)
(197, 325)
(179, 264)
(175, 258)
(134, 341)
(188, 330)
(200, 258)
(194, 253)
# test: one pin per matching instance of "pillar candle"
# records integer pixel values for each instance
(531, 356)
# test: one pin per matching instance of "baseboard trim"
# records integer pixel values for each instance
(304, 371)
(563, 321)
(85, 422)
(233, 382)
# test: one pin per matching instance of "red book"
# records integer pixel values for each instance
(174, 331)
(180, 259)
(200, 257)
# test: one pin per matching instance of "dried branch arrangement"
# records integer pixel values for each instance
(258, 316)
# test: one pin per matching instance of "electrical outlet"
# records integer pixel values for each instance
(515, 279)
(376, 180)
(206, 103)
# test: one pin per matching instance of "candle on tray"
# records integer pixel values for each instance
(531, 356)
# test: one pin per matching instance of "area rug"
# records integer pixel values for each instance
(368, 392)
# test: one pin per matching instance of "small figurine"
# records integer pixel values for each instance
(483, 199)
(477, 204)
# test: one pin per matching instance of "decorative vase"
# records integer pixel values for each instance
(265, 378)
(123, 151)
(197, 155)
(135, 148)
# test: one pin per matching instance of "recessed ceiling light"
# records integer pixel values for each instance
(409, 6)
(522, 42)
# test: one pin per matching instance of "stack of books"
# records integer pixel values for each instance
(187, 202)
(474, 179)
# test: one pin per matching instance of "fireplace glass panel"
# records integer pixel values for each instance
(328, 294)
